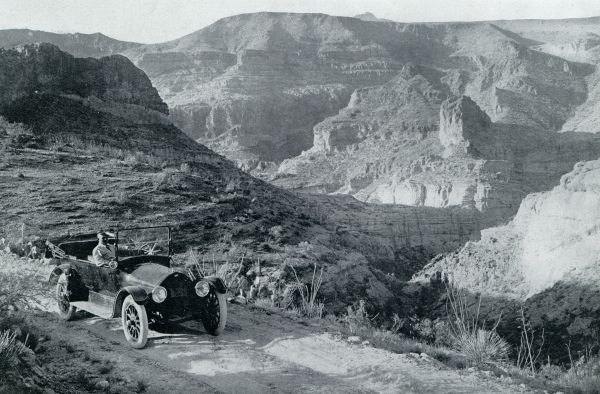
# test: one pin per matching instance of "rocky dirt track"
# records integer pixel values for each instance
(265, 352)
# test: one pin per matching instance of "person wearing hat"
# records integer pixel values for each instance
(103, 254)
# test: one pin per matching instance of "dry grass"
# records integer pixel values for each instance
(469, 337)
(198, 267)
(10, 350)
(21, 282)
(358, 320)
(583, 376)
(310, 307)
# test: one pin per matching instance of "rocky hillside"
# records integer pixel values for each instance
(553, 237)
(545, 260)
(464, 159)
(86, 146)
(45, 69)
(352, 105)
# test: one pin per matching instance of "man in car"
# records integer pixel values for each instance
(103, 253)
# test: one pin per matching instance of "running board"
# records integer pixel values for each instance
(93, 308)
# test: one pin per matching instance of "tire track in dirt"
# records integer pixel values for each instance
(261, 353)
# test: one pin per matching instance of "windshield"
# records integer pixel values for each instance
(153, 241)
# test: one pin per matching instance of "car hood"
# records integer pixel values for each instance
(148, 275)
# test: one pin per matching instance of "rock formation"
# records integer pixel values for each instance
(553, 237)
(464, 127)
(146, 171)
(342, 105)
(44, 69)
(332, 104)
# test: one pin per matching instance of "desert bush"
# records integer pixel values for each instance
(10, 350)
(310, 307)
(164, 180)
(358, 320)
(584, 375)
(198, 267)
(478, 344)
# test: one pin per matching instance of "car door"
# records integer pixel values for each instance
(98, 279)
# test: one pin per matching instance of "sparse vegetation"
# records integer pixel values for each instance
(358, 320)
(310, 307)
(478, 344)
(10, 349)
(530, 350)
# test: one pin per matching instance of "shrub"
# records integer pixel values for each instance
(584, 375)
(10, 350)
(358, 320)
(468, 337)
(308, 295)
(164, 180)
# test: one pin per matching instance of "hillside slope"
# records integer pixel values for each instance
(87, 147)
(546, 260)
(362, 98)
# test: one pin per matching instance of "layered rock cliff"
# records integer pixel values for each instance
(470, 161)
(546, 262)
(342, 105)
(554, 237)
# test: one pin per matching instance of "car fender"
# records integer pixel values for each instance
(217, 283)
(139, 295)
(58, 271)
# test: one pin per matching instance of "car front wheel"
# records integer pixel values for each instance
(135, 323)
(214, 315)
(66, 311)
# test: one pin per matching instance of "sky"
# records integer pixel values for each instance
(151, 21)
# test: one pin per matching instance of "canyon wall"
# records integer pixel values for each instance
(554, 236)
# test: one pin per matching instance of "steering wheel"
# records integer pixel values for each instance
(150, 248)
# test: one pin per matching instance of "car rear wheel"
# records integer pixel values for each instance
(66, 311)
(214, 315)
(135, 323)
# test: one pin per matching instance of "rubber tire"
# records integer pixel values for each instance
(141, 311)
(70, 313)
(222, 315)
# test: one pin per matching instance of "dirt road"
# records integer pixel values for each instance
(261, 353)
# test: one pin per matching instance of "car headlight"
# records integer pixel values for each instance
(202, 288)
(159, 294)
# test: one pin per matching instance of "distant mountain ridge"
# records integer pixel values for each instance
(263, 88)
(77, 44)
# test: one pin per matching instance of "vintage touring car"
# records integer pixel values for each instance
(139, 285)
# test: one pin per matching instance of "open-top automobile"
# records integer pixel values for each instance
(139, 285)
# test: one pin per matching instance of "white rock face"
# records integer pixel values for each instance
(561, 229)
(410, 192)
(554, 235)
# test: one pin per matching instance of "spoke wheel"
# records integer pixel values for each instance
(135, 323)
(214, 314)
(65, 310)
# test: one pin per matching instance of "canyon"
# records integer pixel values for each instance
(327, 104)
(385, 151)
(86, 144)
